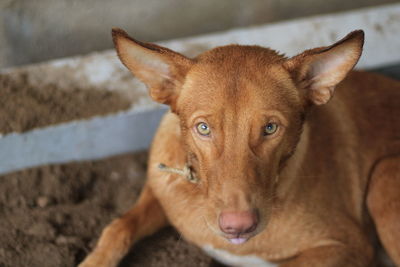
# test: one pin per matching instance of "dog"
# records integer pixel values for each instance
(253, 164)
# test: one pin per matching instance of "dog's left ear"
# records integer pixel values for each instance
(319, 70)
(161, 69)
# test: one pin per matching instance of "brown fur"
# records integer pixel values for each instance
(309, 181)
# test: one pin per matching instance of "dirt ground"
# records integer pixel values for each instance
(24, 106)
(53, 215)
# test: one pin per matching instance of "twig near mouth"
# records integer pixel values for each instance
(186, 172)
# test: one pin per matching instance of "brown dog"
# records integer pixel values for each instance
(268, 176)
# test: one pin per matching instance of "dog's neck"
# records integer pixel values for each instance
(293, 166)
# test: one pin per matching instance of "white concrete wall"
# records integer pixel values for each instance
(37, 30)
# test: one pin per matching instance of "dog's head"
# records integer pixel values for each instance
(241, 111)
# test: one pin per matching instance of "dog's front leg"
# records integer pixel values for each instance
(331, 256)
(145, 218)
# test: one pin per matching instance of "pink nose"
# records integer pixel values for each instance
(236, 223)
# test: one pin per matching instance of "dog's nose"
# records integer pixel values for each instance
(235, 223)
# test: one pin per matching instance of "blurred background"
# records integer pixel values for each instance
(34, 31)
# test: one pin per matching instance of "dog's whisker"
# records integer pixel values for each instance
(210, 226)
(179, 239)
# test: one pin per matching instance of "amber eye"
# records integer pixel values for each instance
(270, 128)
(203, 129)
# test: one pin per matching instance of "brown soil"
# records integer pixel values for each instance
(23, 106)
(52, 215)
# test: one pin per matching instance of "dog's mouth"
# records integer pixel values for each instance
(236, 239)
(239, 238)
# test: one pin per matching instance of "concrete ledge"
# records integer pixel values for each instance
(80, 140)
(133, 130)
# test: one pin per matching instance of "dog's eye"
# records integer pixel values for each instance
(203, 129)
(270, 128)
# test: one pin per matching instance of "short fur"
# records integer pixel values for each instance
(324, 185)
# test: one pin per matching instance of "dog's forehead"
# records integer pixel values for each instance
(235, 75)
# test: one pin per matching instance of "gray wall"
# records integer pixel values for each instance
(37, 30)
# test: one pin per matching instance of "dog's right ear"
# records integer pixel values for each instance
(161, 69)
